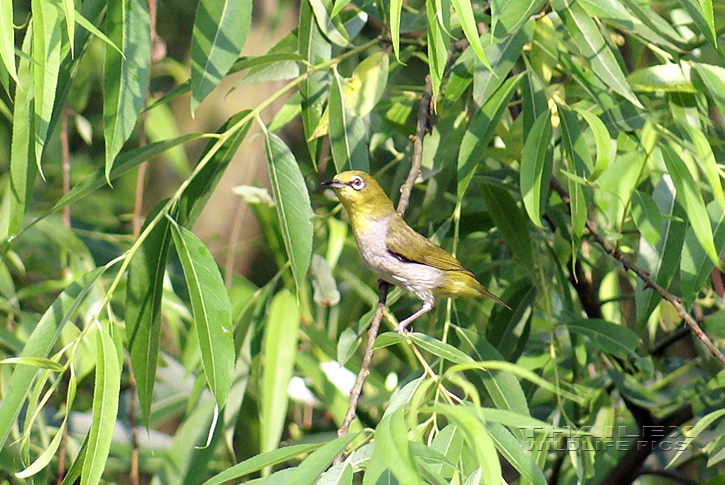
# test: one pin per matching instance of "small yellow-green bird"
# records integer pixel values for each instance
(395, 252)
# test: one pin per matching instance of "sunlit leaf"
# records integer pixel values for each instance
(107, 386)
(211, 308)
(220, 30)
(126, 75)
(535, 166)
(280, 346)
(292, 204)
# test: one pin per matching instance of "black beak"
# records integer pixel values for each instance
(333, 183)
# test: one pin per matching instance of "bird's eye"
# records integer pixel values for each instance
(357, 183)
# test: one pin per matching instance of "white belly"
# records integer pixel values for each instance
(419, 279)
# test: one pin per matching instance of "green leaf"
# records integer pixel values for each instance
(330, 27)
(319, 460)
(39, 344)
(511, 14)
(106, 387)
(646, 216)
(220, 30)
(593, 48)
(705, 159)
(292, 202)
(470, 30)
(701, 13)
(261, 461)
(438, 348)
(396, 6)
(672, 78)
(126, 76)
(601, 139)
(713, 77)
(660, 261)
(47, 40)
(144, 292)
(366, 86)
(509, 220)
(7, 40)
(314, 49)
(37, 362)
(480, 130)
(348, 137)
(579, 163)
(211, 309)
(22, 152)
(536, 166)
(502, 55)
(437, 38)
(478, 437)
(391, 442)
(508, 330)
(696, 266)
(607, 336)
(280, 347)
(688, 194)
(514, 453)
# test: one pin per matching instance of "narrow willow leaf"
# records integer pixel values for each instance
(502, 55)
(22, 152)
(661, 261)
(601, 139)
(38, 362)
(480, 131)
(319, 460)
(713, 77)
(314, 49)
(437, 38)
(220, 30)
(607, 336)
(516, 454)
(706, 160)
(340, 474)
(69, 12)
(261, 461)
(396, 6)
(391, 436)
(510, 221)
(533, 100)
(106, 390)
(535, 167)
(478, 438)
(335, 33)
(508, 331)
(470, 30)
(144, 291)
(511, 14)
(696, 266)
(646, 216)
(39, 344)
(438, 348)
(701, 13)
(47, 40)
(348, 140)
(579, 163)
(588, 38)
(126, 75)
(292, 202)
(211, 309)
(688, 194)
(7, 40)
(280, 347)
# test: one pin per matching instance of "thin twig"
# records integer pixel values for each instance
(422, 128)
(646, 279)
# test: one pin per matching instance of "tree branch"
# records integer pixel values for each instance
(423, 127)
(645, 277)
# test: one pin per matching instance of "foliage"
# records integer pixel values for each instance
(567, 138)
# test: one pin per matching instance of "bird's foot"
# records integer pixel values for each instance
(401, 329)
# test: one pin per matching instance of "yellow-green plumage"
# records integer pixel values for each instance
(395, 252)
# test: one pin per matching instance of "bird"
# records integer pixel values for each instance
(395, 252)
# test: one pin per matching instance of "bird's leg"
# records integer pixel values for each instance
(427, 306)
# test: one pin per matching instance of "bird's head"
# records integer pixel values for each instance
(361, 195)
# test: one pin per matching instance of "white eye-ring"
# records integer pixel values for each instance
(357, 183)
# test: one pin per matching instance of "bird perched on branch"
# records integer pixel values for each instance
(392, 250)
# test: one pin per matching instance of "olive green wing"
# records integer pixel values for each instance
(405, 243)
